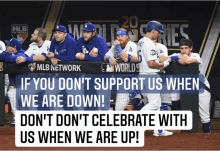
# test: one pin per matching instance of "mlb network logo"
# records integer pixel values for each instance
(19, 31)
(106, 67)
(32, 66)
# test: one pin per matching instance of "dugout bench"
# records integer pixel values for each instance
(188, 101)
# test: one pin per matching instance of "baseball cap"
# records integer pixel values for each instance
(154, 25)
(89, 27)
(60, 28)
(14, 43)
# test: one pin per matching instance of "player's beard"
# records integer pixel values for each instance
(34, 40)
(87, 41)
(123, 43)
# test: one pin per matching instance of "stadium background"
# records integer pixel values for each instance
(181, 19)
(187, 19)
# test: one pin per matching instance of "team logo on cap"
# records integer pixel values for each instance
(19, 31)
(32, 66)
(85, 25)
(58, 27)
(118, 32)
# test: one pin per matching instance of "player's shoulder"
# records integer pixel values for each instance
(162, 46)
(70, 37)
(148, 41)
(131, 43)
(47, 42)
(99, 38)
(195, 55)
(2, 43)
(80, 40)
(33, 44)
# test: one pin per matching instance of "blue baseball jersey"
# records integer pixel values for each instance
(66, 50)
(10, 57)
(98, 42)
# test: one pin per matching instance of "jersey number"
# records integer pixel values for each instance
(139, 56)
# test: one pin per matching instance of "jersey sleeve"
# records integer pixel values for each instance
(2, 47)
(52, 45)
(111, 52)
(29, 52)
(45, 51)
(79, 45)
(197, 57)
(149, 51)
(163, 50)
(132, 49)
(3, 55)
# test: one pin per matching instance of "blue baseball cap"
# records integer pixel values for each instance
(89, 27)
(60, 28)
(14, 43)
(154, 25)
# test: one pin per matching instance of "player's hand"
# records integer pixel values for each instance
(116, 42)
(185, 57)
(166, 63)
(54, 61)
(163, 58)
(93, 52)
(80, 56)
(113, 61)
(20, 60)
(50, 55)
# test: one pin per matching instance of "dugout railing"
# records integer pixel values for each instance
(188, 101)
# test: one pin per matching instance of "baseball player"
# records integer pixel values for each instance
(93, 47)
(148, 64)
(38, 49)
(13, 50)
(63, 46)
(187, 57)
(125, 50)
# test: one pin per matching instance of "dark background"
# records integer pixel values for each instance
(197, 13)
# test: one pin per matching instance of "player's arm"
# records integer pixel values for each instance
(127, 57)
(154, 64)
(109, 56)
(111, 60)
(123, 55)
(3, 55)
(185, 60)
(151, 55)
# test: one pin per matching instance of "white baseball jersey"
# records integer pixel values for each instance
(147, 51)
(204, 98)
(34, 50)
(161, 49)
(2, 47)
(130, 48)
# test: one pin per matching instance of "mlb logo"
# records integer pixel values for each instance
(106, 67)
(133, 34)
(32, 66)
(19, 31)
